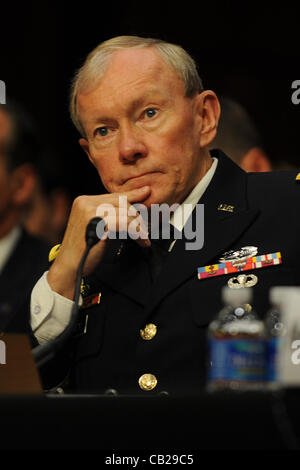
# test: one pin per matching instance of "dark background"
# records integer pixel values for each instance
(246, 51)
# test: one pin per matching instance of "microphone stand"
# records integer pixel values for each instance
(44, 352)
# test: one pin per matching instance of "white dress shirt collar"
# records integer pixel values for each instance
(182, 213)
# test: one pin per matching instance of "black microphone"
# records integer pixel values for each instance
(94, 231)
(44, 352)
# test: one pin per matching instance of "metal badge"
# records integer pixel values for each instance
(225, 207)
(240, 265)
(243, 280)
(120, 249)
(54, 252)
(239, 255)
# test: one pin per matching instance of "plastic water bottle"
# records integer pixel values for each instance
(288, 351)
(274, 330)
(237, 348)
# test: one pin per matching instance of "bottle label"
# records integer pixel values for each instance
(237, 359)
(272, 354)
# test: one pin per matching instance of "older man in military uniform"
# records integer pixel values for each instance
(146, 124)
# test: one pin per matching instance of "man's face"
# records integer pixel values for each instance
(141, 129)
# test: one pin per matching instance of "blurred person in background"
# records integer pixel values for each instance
(23, 257)
(238, 137)
(49, 207)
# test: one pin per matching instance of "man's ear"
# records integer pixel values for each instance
(85, 145)
(209, 110)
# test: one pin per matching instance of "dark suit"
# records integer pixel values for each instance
(23, 268)
(112, 353)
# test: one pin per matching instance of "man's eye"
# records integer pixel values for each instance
(150, 112)
(103, 131)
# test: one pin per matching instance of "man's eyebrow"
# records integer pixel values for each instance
(136, 103)
(101, 119)
(150, 97)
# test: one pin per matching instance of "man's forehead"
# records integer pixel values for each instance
(133, 75)
(139, 97)
(130, 66)
(144, 60)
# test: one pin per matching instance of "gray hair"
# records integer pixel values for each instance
(87, 77)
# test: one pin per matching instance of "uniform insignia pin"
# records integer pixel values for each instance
(84, 288)
(233, 262)
(91, 300)
(243, 280)
(120, 249)
(54, 252)
(225, 207)
(239, 255)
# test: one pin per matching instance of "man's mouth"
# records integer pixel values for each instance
(139, 176)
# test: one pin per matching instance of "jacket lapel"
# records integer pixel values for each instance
(125, 270)
(221, 229)
(220, 235)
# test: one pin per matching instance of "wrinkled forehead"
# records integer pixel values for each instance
(137, 60)
(126, 64)
(129, 71)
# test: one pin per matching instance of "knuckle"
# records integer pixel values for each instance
(80, 202)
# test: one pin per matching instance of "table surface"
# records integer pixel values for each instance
(221, 420)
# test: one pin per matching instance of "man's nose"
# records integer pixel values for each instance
(131, 145)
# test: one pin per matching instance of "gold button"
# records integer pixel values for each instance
(147, 382)
(248, 307)
(149, 331)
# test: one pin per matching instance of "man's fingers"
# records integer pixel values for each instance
(134, 226)
(117, 211)
(118, 199)
(136, 195)
(112, 226)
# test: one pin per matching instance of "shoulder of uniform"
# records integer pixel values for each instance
(276, 177)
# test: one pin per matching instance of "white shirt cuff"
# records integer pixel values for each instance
(50, 311)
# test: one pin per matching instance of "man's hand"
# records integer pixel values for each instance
(62, 274)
